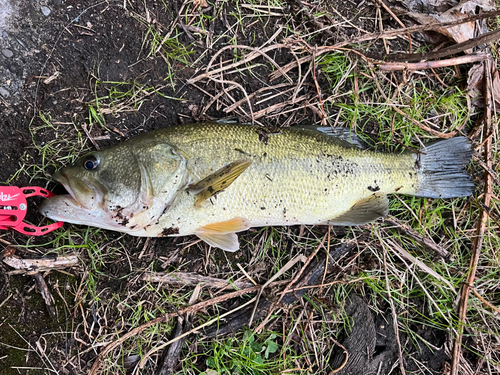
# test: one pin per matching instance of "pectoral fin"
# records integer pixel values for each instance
(222, 235)
(364, 211)
(219, 180)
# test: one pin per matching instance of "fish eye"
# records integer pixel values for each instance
(91, 162)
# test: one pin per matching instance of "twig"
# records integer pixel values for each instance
(405, 254)
(493, 307)
(324, 116)
(342, 365)
(33, 266)
(191, 278)
(326, 260)
(493, 174)
(481, 227)
(343, 282)
(407, 230)
(388, 10)
(467, 59)
(304, 267)
(222, 81)
(233, 106)
(172, 354)
(46, 295)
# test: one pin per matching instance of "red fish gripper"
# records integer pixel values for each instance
(13, 209)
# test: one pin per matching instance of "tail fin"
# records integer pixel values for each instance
(442, 166)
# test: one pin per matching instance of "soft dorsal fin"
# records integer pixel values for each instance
(342, 134)
(222, 234)
(364, 211)
(219, 180)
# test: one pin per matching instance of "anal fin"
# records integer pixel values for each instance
(364, 211)
(224, 241)
(223, 234)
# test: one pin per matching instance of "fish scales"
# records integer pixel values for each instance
(296, 177)
(214, 180)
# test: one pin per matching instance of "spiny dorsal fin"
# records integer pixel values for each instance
(364, 211)
(222, 235)
(219, 180)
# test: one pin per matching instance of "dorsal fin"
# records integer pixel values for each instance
(343, 134)
(219, 180)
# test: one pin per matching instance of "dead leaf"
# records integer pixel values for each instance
(495, 82)
(459, 33)
(475, 85)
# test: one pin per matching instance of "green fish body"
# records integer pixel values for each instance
(214, 180)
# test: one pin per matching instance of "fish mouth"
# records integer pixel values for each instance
(80, 192)
(80, 206)
(64, 181)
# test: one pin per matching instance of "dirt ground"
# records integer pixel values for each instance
(53, 54)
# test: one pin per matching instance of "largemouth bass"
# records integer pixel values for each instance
(214, 180)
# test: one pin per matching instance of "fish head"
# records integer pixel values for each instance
(122, 188)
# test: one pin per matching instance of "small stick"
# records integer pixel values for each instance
(467, 59)
(481, 228)
(412, 29)
(326, 260)
(33, 266)
(46, 295)
(407, 230)
(317, 25)
(493, 307)
(286, 267)
(345, 360)
(222, 81)
(303, 267)
(192, 278)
